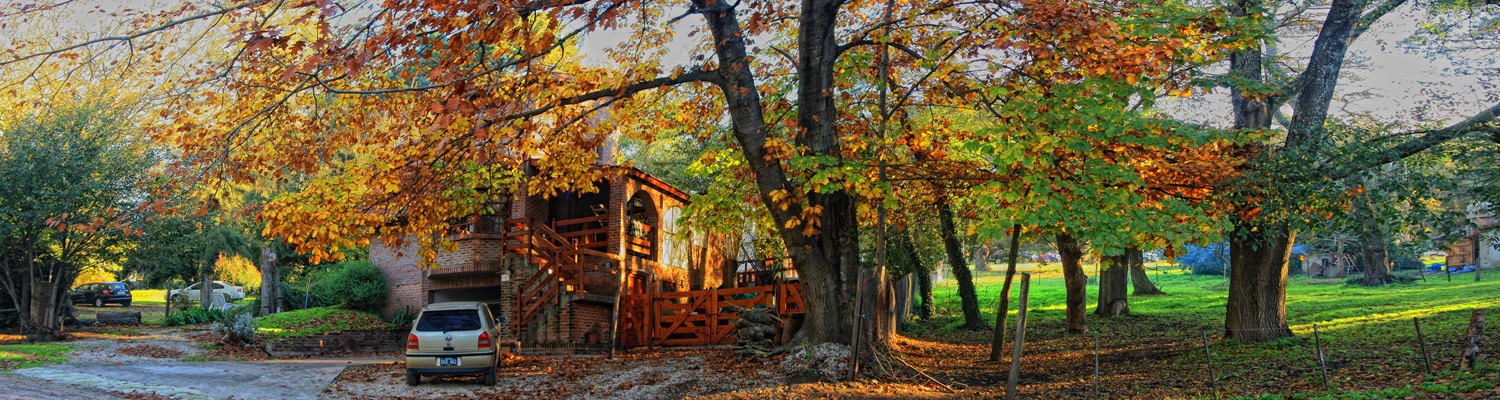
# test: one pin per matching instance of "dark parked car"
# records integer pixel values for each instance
(100, 293)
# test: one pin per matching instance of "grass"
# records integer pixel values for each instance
(317, 321)
(27, 355)
(1367, 333)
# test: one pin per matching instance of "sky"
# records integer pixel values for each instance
(1393, 77)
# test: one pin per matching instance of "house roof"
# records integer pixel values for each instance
(642, 176)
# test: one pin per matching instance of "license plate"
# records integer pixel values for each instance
(447, 361)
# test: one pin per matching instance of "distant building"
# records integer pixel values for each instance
(1480, 244)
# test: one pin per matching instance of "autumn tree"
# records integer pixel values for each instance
(1266, 214)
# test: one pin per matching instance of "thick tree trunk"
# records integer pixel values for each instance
(268, 280)
(967, 297)
(1076, 282)
(1138, 278)
(1372, 237)
(1257, 283)
(827, 260)
(45, 321)
(1113, 286)
(981, 256)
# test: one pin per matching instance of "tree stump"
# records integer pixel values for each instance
(1471, 343)
(120, 318)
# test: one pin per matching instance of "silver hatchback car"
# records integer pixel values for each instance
(452, 338)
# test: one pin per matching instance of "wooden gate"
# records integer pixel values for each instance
(698, 317)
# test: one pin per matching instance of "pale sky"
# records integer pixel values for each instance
(1395, 80)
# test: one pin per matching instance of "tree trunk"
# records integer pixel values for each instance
(205, 288)
(1377, 263)
(1138, 278)
(826, 259)
(1113, 286)
(924, 291)
(1471, 349)
(981, 256)
(1003, 311)
(1257, 283)
(1075, 281)
(903, 300)
(967, 297)
(45, 321)
(268, 280)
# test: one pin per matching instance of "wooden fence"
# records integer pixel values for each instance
(698, 317)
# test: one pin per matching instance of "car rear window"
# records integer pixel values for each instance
(115, 286)
(448, 320)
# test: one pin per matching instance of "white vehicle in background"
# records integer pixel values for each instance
(230, 292)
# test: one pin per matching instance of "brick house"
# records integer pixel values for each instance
(552, 267)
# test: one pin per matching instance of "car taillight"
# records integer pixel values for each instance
(411, 342)
(106, 292)
(241, 290)
(484, 340)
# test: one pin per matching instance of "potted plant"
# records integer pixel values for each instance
(592, 337)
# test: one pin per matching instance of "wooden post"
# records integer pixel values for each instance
(1213, 381)
(1015, 354)
(1422, 342)
(1445, 272)
(1470, 358)
(654, 313)
(614, 317)
(859, 294)
(1096, 362)
(1322, 364)
(711, 314)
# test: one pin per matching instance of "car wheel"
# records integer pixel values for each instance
(126, 303)
(98, 302)
(412, 378)
(489, 377)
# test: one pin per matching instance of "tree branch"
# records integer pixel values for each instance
(622, 91)
(1483, 122)
(136, 35)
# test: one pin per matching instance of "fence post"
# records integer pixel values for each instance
(1318, 339)
(859, 294)
(1213, 381)
(1096, 364)
(1426, 361)
(1015, 356)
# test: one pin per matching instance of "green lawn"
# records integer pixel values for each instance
(1368, 334)
(27, 355)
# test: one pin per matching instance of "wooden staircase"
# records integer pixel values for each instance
(561, 264)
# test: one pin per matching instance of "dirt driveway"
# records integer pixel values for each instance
(151, 362)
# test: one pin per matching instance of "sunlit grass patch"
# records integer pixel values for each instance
(15, 356)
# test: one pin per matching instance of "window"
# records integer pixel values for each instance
(449, 320)
(218, 286)
(674, 245)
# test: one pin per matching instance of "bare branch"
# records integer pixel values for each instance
(136, 35)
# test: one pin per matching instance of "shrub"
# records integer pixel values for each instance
(240, 329)
(193, 316)
(356, 285)
(404, 318)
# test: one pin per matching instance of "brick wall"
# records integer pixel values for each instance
(405, 280)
